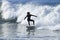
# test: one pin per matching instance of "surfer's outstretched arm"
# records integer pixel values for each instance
(25, 18)
(34, 15)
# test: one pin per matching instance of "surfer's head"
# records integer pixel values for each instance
(28, 13)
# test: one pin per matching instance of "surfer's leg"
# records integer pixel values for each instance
(33, 21)
(29, 23)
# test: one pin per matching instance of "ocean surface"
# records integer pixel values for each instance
(14, 31)
(47, 24)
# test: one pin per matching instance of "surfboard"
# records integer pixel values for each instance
(30, 27)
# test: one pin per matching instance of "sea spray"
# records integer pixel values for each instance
(47, 15)
(7, 10)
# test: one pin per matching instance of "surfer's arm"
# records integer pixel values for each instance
(25, 18)
(34, 15)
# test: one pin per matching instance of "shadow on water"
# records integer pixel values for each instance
(13, 30)
(30, 29)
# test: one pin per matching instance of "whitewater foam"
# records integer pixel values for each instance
(47, 15)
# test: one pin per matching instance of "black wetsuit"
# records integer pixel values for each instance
(29, 18)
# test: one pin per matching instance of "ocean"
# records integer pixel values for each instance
(14, 31)
(14, 27)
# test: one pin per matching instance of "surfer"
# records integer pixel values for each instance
(28, 16)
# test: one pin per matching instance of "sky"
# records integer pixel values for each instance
(36, 0)
(0, 0)
(50, 2)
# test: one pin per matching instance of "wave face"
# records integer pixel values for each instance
(48, 16)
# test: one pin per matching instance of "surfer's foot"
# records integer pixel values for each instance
(29, 24)
(33, 24)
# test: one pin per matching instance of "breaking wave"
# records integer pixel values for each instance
(48, 16)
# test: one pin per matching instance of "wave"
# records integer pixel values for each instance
(47, 15)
